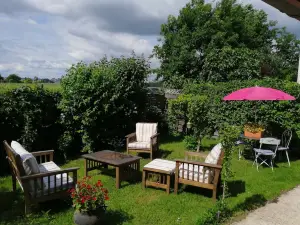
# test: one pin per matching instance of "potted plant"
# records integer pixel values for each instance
(253, 130)
(89, 201)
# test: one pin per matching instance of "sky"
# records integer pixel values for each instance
(45, 37)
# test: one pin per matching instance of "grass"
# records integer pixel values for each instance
(9, 86)
(132, 205)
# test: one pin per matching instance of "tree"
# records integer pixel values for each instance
(1, 79)
(27, 80)
(13, 78)
(102, 101)
(214, 43)
(286, 55)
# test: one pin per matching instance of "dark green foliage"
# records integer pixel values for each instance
(102, 101)
(13, 78)
(190, 142)
(221, 42)
(30, 116)
(275, 115)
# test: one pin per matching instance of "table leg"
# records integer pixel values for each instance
(85, 167)
(137, 170)
(144, 179)
(168, 183)
(118, 177)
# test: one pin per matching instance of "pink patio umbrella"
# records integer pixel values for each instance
(258, 94)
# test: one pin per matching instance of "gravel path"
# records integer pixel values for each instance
(284, 212)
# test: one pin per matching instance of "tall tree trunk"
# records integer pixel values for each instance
(198, 145)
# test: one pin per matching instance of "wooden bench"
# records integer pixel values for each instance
(51, 183)
(192, 171)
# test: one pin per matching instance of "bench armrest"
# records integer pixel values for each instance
(51, 173)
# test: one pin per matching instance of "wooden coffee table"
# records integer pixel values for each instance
(127, 166)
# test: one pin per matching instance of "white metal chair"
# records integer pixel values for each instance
(264, 154)
(285, 142)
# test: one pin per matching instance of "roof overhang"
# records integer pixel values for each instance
(289, 7)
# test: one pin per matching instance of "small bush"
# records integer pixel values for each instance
(190, 142)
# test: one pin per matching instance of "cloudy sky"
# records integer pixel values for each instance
(44, 37)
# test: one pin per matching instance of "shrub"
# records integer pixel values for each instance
(190, 142)
(275, 116)
(102, 101)
(30, 115)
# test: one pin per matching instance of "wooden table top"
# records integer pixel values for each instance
(111, 157)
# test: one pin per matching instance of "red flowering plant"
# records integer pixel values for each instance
(89, 196)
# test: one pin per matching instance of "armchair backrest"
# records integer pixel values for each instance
(214, 154)
(144, 131)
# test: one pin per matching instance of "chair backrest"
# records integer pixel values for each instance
(270, 141)
(214, 154)
(286, 138)
(15, 162)
(144, 131)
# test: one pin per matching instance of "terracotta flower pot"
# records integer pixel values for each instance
(256, 135)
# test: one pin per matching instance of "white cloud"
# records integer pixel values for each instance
(31, 21)
(67, 31)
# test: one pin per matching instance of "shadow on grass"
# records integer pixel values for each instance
(236, 187)
(116, 217)
(221, 213)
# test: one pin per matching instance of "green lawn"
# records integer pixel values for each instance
(132, 205)
(10, 86)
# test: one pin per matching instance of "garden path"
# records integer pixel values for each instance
(285, 211)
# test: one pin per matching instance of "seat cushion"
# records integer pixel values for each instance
(214, 154)
(144, 131)
(264, 151)
(139, 145)
(187, 172)
(29, 162)
(61, 181)
(162, 164)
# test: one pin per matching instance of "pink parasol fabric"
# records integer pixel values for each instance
(258, 94)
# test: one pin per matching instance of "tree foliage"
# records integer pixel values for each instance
(102, 101)
(13, 78)
(224, 42)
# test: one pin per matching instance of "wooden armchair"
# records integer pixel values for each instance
(50, 183)
(200, 174)
(145, 139)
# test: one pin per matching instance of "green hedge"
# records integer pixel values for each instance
(29, 114)
(275, 115)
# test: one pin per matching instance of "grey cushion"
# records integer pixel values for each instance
(29, 162)
(139, 145)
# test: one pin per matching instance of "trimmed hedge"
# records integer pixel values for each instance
(29, 115)
(275, 115)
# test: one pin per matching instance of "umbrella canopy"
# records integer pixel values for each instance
(258, 94)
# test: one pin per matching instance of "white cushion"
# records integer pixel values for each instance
(61, 181)
(144, 131)
(188, 173)
(161, 164)
(29, 162)
(214, 154)
(139, 145)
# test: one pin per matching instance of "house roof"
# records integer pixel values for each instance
(289, 7)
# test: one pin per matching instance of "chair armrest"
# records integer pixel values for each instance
(51, 173)
(213, 166)
(130, 135)
(154, 136)
(43, 155)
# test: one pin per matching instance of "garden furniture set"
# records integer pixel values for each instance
(268, 148)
